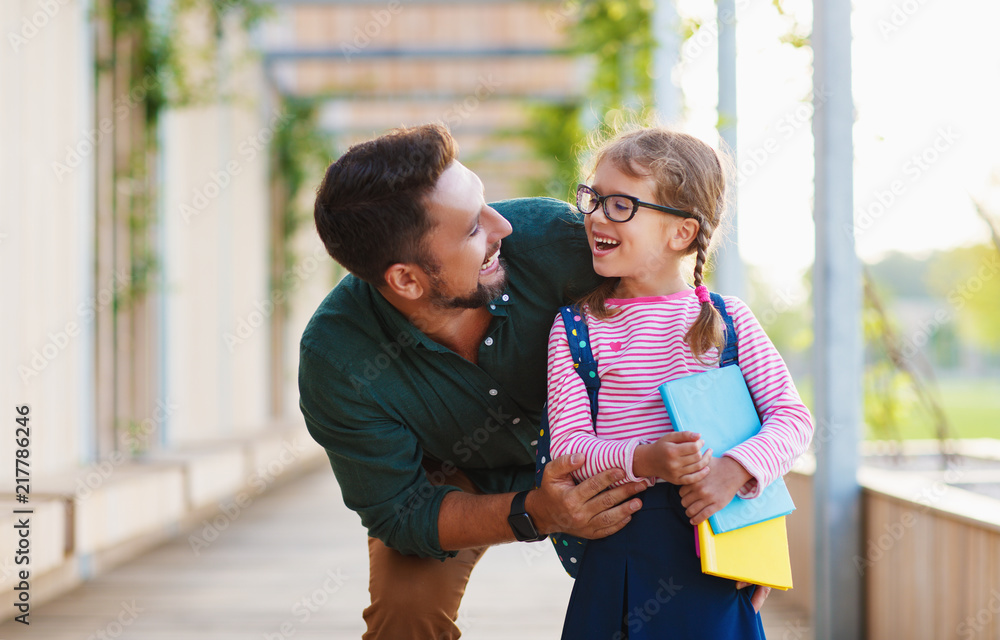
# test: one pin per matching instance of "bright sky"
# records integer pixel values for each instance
(927, 96)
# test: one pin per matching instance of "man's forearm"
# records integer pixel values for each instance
(467, 520)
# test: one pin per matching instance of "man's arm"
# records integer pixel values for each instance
(585, 510)
(377, 461)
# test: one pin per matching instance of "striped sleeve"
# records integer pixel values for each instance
(571, 427)
(786, 425)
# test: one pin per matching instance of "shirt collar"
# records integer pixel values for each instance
(397, 323)
(499, 306)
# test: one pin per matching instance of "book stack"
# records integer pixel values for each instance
(746, 540)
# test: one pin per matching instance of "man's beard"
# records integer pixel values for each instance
(478, 298)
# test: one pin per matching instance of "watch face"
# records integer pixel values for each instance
(523, 527)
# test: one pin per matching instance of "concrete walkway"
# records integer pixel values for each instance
(295, 565)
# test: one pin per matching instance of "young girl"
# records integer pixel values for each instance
(655, 198)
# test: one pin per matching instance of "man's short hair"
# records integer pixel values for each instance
(370, 209)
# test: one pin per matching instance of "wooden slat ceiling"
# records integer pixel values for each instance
(473, 66)
(496, 49)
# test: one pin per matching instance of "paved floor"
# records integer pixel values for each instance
(295, 565)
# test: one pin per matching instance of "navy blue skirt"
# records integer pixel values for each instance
(645, 582)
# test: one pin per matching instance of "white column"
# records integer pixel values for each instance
(729, 271)
(217, 302)
(665, 59)
(837, 299)
(46, 229)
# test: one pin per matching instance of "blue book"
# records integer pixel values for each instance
(717, 405)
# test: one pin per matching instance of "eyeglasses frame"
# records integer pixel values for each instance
(636, 203)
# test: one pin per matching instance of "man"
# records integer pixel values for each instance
(423, 372)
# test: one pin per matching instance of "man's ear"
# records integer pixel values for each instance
(683, 234)
(405, 280)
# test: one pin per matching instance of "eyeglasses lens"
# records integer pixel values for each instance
(586, 199)
(618, 208)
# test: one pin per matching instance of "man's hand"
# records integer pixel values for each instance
(759, 595)
(715, 490)
(585, 510)
(674, 457)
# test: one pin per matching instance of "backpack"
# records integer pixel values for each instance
(570, 548)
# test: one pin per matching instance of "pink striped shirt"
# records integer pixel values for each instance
(640, 348)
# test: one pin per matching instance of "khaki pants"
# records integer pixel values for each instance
(415, 597)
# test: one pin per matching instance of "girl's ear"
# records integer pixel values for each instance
(683, 235)
(405, 280)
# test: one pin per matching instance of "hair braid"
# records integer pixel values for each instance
(707, 330)
(702, 241)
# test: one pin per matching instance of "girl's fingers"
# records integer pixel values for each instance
(689, 464)
(694, 510)
(694, 456)
(706, 509)
(691, 478)
(686, 465)
(692, 466)
(690, 448)
(702, 515)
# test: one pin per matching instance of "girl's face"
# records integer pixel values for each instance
(647, 249)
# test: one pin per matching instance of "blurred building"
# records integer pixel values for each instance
(154, 287)
(472, 65)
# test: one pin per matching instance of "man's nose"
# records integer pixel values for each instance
(498, 227)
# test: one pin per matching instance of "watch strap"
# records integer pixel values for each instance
(517, 504)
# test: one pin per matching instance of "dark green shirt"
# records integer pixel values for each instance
(379, 395)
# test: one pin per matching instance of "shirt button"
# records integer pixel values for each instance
(534, 443)
(493, 306)
(516, 420)
(493, 392)
(505, 297)
(489, 342)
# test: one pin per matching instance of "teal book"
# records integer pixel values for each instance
(717, 405)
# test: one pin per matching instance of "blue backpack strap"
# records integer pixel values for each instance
(570, 548)
(585, 365)
(583, 355)
(730, 354)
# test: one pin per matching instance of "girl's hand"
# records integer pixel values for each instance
(674, 457)
(714, 491)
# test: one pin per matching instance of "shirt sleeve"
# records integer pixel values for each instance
(786, 424)
(555, 238)
(377, 461)
(571, 427)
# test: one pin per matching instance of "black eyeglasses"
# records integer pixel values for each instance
(617, 207)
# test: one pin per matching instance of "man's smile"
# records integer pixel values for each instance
(490, 263)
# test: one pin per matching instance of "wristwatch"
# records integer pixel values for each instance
(520, 522)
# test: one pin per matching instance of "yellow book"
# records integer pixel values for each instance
(757, 553)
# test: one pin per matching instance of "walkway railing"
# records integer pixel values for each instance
(931, 549)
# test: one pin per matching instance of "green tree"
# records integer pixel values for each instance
(895, 390)
(968, 278)
(618, 37)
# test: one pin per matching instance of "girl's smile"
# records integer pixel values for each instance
(604, 244)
